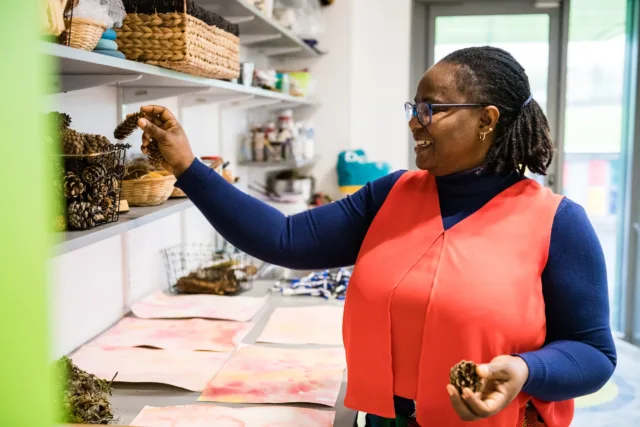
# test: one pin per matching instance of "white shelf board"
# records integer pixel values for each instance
(136, 217)
(281, 164)
(81, 69)
(258, 30)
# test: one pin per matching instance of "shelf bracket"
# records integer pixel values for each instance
(132, 95)
(214, 98)
(250, 39)
(71, 82)
(239, 19)
(280, 51)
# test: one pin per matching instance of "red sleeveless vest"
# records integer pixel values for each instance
(421, 299)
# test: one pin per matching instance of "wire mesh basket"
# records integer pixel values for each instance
(202, 269)
(90, 186)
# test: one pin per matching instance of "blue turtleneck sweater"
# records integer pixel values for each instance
(579, 355)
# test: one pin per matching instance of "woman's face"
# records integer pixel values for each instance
(451, 143)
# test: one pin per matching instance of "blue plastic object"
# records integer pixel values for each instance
(110, 34)
(355, 170)
(114, 53)
(104, 44)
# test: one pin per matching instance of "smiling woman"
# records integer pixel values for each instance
(428, 289)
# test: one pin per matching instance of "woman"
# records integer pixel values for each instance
(463, 259)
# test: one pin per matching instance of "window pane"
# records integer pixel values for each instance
(593, 122)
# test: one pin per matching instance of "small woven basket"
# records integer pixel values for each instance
(180, 42)
(176, 193)
(83, 33)
(148, 191)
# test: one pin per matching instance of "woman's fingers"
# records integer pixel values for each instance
(459, 405)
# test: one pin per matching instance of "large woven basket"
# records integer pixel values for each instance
(83, 33)
(147, 191)
(180, 42)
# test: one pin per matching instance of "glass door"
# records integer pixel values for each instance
(530, 34)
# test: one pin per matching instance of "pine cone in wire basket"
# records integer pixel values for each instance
(93, 173)
(72, 142)
(465, 375)
(73, 186)
(62, 120)
(126, 128)
(95, 144)
(108, 208)
(84, 215)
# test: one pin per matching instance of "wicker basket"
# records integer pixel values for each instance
(180, 42)
(176, 193)
(83, 33)
(148, 191)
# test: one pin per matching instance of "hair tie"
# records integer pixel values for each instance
(527, 101)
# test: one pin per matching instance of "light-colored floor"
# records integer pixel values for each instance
(618, 403)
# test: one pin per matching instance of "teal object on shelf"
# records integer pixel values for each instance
(113, 53)
(110, 34)
(355, 170)
(104, 44)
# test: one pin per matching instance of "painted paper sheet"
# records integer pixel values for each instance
(304, 325)
(257, 374)
(220, 416)
(190, 370)
(163, 306)
(189, 334)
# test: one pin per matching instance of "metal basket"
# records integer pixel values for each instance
(201, 269)
(102, 175)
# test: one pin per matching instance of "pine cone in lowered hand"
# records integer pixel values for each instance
(73, 186)
(465, 375)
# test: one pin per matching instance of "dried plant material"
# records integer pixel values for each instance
(162, 306)
(192, 334)
(256, 374)
(126, 128)
(190, 370)
(220, 416)
(225, 278)
(84, 215)
(465, 375)
(72, 142)
(62, 120)
(86, 397)
(304, 325)
(73, 185)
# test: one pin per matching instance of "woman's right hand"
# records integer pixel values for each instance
(163, 127)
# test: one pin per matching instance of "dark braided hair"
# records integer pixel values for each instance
(489, 75)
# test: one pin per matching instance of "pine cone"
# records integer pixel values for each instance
(99, 190)
(59, 223)
(62, 120)
(96, 143)
(84, 215)
(73, 186)
(93, 173)
(108, 208)
(465, 375)
(155, 157)
(126, 128)
(72, 142)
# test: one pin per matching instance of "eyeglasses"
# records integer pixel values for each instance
(424, 111)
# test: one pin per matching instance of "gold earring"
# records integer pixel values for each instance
(482, 136)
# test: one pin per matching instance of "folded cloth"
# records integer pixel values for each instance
(104, 44)
(110, 34)
(114, 53)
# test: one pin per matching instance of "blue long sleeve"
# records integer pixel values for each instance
(579, 354)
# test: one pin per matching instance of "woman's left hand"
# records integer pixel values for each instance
(502, 381)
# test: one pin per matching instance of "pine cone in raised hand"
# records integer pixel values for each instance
(73, 186)
(155, 157)
(126, 128)
(465, 375)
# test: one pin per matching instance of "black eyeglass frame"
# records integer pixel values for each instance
(412, 109)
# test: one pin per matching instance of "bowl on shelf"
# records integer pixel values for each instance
(152, 189)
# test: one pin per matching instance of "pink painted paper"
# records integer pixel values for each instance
(257, 374)
(163, 306)
(190, 334)
(190, 370)
(220, 416)
(304, 325)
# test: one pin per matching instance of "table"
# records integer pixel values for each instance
(129, 399)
